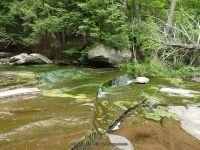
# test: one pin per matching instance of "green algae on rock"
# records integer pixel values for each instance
(13, 79)
(160, 112)
(59, 93)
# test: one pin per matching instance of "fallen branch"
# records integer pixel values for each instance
(185, 46)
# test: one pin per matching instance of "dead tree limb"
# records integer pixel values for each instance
(180, 45)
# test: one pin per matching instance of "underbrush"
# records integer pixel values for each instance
(156, 68)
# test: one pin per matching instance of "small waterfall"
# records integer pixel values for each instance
(50, 78)
(118, 81)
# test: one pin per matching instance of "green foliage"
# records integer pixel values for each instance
(104, 22)
(130, 24)
(151, 68)
(147, 37)
(184, 72)
(118, 41)
(157, 68)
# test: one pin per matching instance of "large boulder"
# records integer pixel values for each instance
(34, 58)
(41, 57)
(4, 58)
(101, 55)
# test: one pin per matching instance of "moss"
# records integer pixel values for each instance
(59, 93)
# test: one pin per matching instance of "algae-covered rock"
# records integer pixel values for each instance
(14, 84)
(59, 93)
(159, 113)
(13, 79)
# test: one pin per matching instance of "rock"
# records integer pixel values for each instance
(23, 58)
(4, 58)
(34, 58)
(121, 80)
(18, 92)
(41, 57)
(10, 80)
(195, 79)
(5, 54)
(101, 55)
(141, 80)
(4, 61)
(181, 92)
(120, 142)
(38, 125)
(153, 103)
(190, 120)
(88, 104)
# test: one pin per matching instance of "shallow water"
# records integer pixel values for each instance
(64, 111)
(57, 118)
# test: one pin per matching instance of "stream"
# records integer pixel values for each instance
(55, 107)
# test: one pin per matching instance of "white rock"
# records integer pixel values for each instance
(19, 91)
(142, 80)
(34, 58)
(190, 118)
(41, 57)
(181, 92)
(101, 53)
(120, 142)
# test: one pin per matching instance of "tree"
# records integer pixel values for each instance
(170, 17)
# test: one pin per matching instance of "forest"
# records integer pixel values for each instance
(157, 32)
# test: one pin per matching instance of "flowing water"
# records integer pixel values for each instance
(72, 100)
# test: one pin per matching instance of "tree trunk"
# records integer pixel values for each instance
(170, 17)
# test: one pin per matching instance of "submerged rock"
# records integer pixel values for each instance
(141, 80)
(18, 92)
(181, 92)
(122, 81)
(190, 120)
(153, 103)
(120, 142)
(43, 124)
(101, 55)
(10, 80)
(34, 58)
